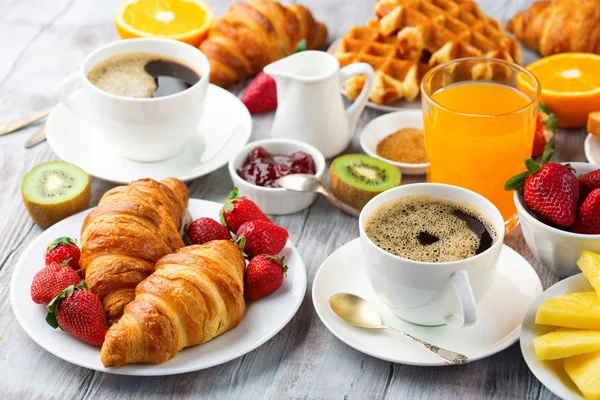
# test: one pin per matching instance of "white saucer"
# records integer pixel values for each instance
(385, 125)
(263, 319)
(394, 106)
(224, 130)
(551, 372)
(498, 325)
(592, 149)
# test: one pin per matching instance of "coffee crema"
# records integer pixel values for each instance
(142, 75)
(429, 229)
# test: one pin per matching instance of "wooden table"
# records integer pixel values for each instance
(41, 42)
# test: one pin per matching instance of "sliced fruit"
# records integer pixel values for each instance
(54, 191)
(184, 20)
(589, 264)
(570, 86)
(566, 343)
(584, 370)
(574, 310)
(357, 178)
(593, 123)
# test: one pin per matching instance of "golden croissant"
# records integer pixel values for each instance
(121, 239)
(560, 26)
(193, 296)
(251, 35)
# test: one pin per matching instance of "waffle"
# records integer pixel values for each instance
(408, 37)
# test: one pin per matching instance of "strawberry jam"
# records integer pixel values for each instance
(263, 168)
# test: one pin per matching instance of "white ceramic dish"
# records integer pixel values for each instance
(263, 320)
(225, 128)
(550, 372)
(592, 148)
(556, 249)
(276, 201)
(385, 125)
(498, 325)
(397, 105)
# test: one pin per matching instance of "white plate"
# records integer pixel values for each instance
(224, 130)
(592, 149)
(500, 312)
(263, 320)
(551, 372)
(394, 106)
(385, 125)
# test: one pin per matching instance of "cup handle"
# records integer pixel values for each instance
(355, 109)
(466, 299)
(65, 89)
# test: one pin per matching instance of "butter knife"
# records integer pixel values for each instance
(38, 137)
(21, 122)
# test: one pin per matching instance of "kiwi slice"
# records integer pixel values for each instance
(357, 178)
(55, 190)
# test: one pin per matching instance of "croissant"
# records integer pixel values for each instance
(560, 26)
(193, 296)
(121, 239)
(251, 35)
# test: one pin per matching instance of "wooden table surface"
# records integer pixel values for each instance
(41, 42)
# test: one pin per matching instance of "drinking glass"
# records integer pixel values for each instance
(479, 120)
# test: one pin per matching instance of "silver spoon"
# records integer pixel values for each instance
(310, 183)
(359, 312)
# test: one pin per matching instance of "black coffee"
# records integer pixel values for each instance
(142, 75)
(425, 228)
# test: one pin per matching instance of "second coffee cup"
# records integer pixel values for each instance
(465, 228)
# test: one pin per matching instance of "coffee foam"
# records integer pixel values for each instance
(125, 75)
(395, 226)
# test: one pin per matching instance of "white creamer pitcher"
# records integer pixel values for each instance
(310, 106)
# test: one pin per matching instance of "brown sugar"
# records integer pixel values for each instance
(406, 145)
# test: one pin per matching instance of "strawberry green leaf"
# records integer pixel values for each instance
(61, 240)
(517, 182)
(532, 166)
(241, 243)
(234, 193)
(81, 285)
(548, 151)
(53, 305)
(542, 108)
(301, 46)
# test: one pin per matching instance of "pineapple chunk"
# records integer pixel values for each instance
(589, 264)
(566, 343)
(584, 370)
(575, 310)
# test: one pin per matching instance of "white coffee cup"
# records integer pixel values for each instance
(426, 293)
(147, 129)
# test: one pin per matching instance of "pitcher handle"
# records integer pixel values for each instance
(466, 299)
(355, 109)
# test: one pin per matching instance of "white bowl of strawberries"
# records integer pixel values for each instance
(559, 211)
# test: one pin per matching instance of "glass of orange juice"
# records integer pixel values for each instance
(479, 117)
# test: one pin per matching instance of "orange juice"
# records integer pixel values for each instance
(477, 135)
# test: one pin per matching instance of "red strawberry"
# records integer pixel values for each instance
(588, 182)
(545, 127)
(261, 237)
(63, 250)
(50, 281)
(204, 230)
(263, 276)
(238, 210)
(588, 219)
(261, 94)
(79, 313)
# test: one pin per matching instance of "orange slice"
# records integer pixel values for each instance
(184, 20)
(570, 86)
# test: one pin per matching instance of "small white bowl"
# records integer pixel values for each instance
(556, 249)
(383, 126)
(276, 201)
(592, 148)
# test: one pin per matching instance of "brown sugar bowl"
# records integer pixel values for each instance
(382, 127)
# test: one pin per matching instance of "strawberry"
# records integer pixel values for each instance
(588, 182)
(50, 281)
(545, 127)
(588, 219)
(238, 210)
(263, 276)
(63, 250)
(79, 313)
(261, 94)
(261, 237)
(204, 230)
